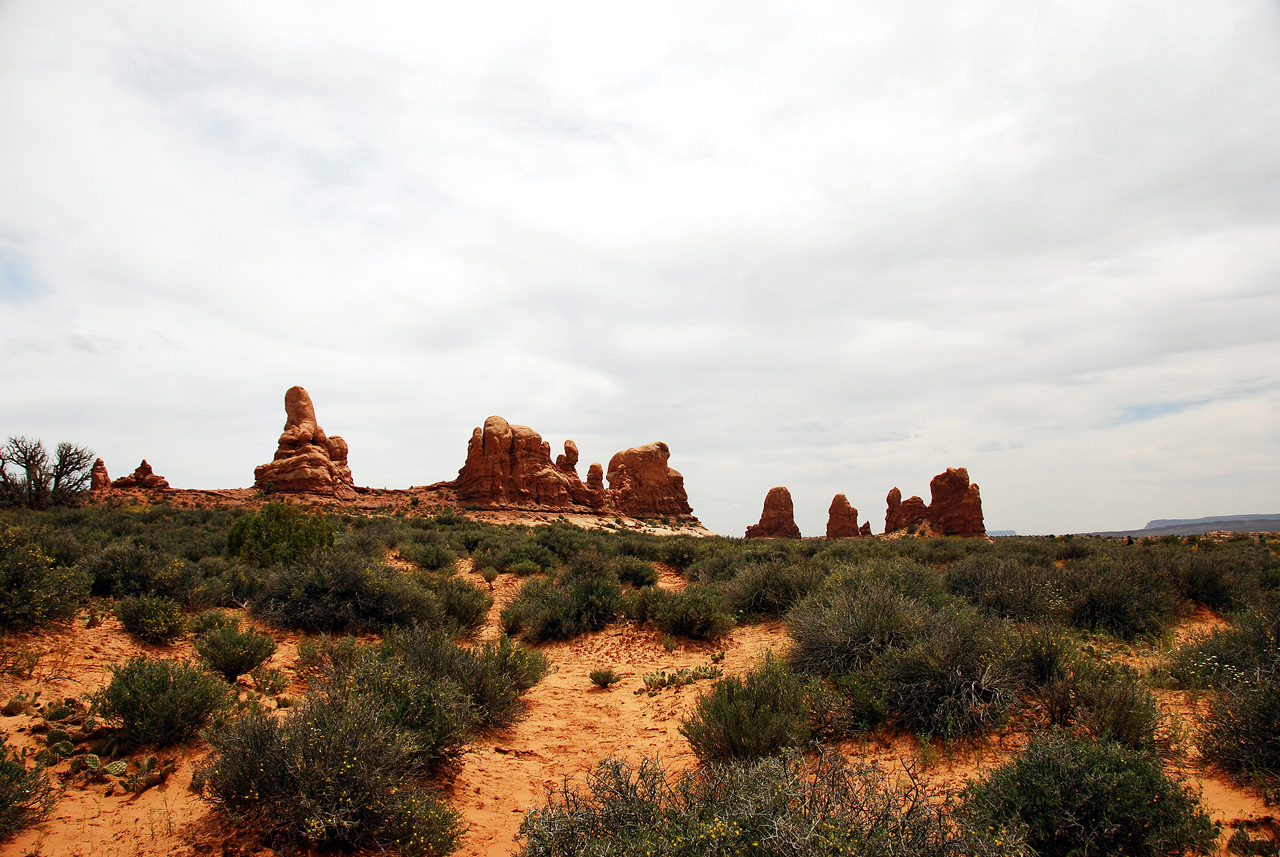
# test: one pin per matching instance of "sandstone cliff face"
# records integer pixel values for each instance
(509, 466)
(842, 519)
(307, 461)
(902, 514)
(642, 485)
(142, 477)
(777, 520)
(955, 507)
(98, 478)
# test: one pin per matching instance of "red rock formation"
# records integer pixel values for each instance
(595, 477)
(98, 478)
(143, 477)
(643, 486)
(510, 467)
(842, 519)
(865, 529)
(955, 506)
(307, 461)
(777, 520)
(902, 514)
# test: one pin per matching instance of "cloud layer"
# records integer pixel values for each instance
(839, 248)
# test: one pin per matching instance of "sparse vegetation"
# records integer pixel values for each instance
(34, 589)
(151, 618)
(232, 652)
(26, 795)
(764, 713)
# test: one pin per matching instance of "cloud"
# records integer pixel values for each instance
(838, 247)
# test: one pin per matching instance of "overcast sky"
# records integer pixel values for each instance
(838, 247)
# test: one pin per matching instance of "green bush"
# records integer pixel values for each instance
(341, 589)
(635, 572)
(770, 589)
(278, 533)
(26, 795)
(331, 772)
(585, 597)
(428, 556)
(776, 807)
(466, 604)
(1242, 730)
(1078, 797)
(761, 714)
(1112, 705)
(952, 682)
(151, 618)
(160, 701)
(33, 589)
(1226, 655)
(1128, 599)
(696, 612)
(126, 567)
(839, 632)
(1004, 587)
(231, 652)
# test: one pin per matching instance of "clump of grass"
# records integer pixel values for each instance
(761, 714)
(231, 652)
(151, 618)
(1074, 796)
(160, 701)
(26, 795)
(604, 677)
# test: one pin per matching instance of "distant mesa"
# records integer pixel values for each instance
(509, 467)
(98, 478)
(307, 461)
(142, 477)
(955, 508)
(777, 520)
(842, 520)
(643, 485)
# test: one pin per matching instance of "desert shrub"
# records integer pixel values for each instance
(160, 701)
(278, 533)
(770, 589)
(761, 714)
(682, 551)
(563, 541)
(1112, 705)
(635, 572)
(697, 612)
(26, 795)
(207, 620)
(1127, 599)
(584, 598)
(33, 589)
(1213, 578)
(340, 589)
(1242, 729)
(1003, 587)
(1229, 654)
(952, 682)
(432, 557)
(151, 618)
(841, 631)
(1041, 655)
(125, 568)
(230, 580)
(604, 677)
(231, 652)
(1079, 797)
(774, 807)
(331, 772)
(466, 604)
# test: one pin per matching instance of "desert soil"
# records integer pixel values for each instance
(569, 725)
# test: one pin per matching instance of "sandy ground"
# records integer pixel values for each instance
(569, 725)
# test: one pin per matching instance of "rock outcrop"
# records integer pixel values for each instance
(642, 485)
(955, 506)
(902, 514)
(98, 478)
(509, 466)
(777, 520)
(307, 461)
(842, 519)
(142, 477)
(865, 529)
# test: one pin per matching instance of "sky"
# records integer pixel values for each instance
(836, 246)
